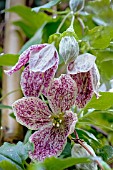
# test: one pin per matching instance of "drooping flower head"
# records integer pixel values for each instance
(54, 124)
(86, 75)
(43, 62)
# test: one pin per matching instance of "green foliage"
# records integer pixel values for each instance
(102, 12)
(95, 33)
(99, 37)
(36, 39)
(30, 21)
(8, 59)
(6, 165)
(2, 106)
(101, 103)
(15, 154)
(48, 5)
(106, 152)
(57, 164)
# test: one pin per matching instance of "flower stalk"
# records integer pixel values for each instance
(79, 141)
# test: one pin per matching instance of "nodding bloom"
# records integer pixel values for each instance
(53, 123)
(86, 75)
(42, 62)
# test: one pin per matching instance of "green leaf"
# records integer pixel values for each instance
(31, 21)
(2, 106)
(8, 59)
(48, 5)
(99, 37)
(102, 119)
(102, 103)
(88, 138)
(6, 165)
(36, 39)
(57, 164)
(12, 115)
(106, 152)
(104, 61)
(15, 154)
(28, 134)
(102, 12)
(106, 69)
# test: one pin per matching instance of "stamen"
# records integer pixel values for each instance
(57, 125)
(53, 124)
(60, 120)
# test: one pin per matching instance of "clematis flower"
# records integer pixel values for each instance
(43, 62)
(86, 75)
(53, 123)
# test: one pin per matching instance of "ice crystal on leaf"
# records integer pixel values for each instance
(53, 126)
(42, 62)
(86, 75)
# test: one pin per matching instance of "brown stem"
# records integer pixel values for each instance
(77, 140)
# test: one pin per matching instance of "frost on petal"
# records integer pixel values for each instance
(85, 88)
(42, 60)
(24, 58)
(31, 112)
(62, 94)
(83, 63)
(51, 140)
(31, 83)
(96, 80)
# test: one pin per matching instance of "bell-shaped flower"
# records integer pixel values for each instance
(86, 75)
(53, 123)
(43, 62)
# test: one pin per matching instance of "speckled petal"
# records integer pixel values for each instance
(83, 63)
(50, 141)
(31, 112)
(85, 88)
(31, 83)
(44, 59)
(62, 94)
(24, 58)
(48, 78)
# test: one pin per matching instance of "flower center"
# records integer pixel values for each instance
(57, 119)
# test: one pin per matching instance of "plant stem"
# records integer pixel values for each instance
(77, 140)
(81, 24)
(58, 30)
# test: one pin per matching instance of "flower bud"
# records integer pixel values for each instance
(76, 5)
(68, 48)
(78, 151)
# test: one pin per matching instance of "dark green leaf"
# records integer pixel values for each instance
(36, 39)
(28, 134)
(31, 21)
(57, 164)
(106, 152)
(102, 12)
(102, 119)
(48, 5)
(99, 37)
(15, 154)
(102, 103)
(6, 165)
(2, 106)
(12, 115)
(8, 59)
(88, 137)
